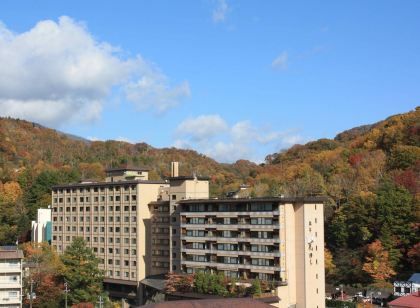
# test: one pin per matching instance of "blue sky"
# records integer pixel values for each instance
(231, 79)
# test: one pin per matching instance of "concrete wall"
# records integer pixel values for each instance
(146, 193)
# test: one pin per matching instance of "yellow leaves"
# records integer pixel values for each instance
(329, 262)
(365, 195)
(377, 263)
(10, 192)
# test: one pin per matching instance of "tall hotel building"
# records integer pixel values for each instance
(140, 228)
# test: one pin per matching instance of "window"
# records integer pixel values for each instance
(13, 294)
(173, 197)
(81, 199)
(111, 198)
(133, 197)
(117, 198)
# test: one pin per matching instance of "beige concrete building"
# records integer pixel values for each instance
(274, 239)
(140, 228)
(114, 219)
(10, 277)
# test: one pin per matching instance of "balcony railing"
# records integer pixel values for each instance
(231, 239)
(10, 269)
(223, 266)
(230, 226)
(231, 252)
(231, 214)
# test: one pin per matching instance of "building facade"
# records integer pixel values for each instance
(412, 285)
(41, 228)
(273, 239)
(10, 277)
(113, 218)
(140, 228)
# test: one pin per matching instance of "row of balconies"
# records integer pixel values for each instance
(230, 226)
(92, 190)
(236, 267)
(10, 268)
(230, 214)
(231, 252)
(7, 301)
(231, 239)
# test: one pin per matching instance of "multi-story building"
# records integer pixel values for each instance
(273, 239)
(10, 277)
(140, 228)
(41, 227)
(114, 219)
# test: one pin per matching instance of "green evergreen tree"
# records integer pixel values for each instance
(81, 272)
(337, 232)
(256, 287)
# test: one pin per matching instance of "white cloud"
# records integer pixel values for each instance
(281, 62)
(219, 13)
(57, 72)
(211, 135)
(124, 139)
(202, 127)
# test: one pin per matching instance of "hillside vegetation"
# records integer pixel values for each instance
(370, 175)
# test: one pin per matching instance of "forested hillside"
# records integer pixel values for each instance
(370, 174)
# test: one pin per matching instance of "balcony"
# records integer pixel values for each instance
(230, 226)
(10, 301)
(228, 266)
(10, 268)
(230, 239)
(10, 284)
(231, 214)
(230, 252)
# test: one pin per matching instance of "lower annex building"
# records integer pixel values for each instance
(139, 228)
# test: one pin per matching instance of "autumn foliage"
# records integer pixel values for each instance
(370, 175)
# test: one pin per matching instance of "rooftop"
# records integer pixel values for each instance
(188, 177)
(409, 301)
(127, 169)
(415, 278)
(317, 199)
(10, 252)
(212, 303)
(88, 184)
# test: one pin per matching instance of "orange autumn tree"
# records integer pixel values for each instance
(45, 273)
(377, 264)
(329, 263)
